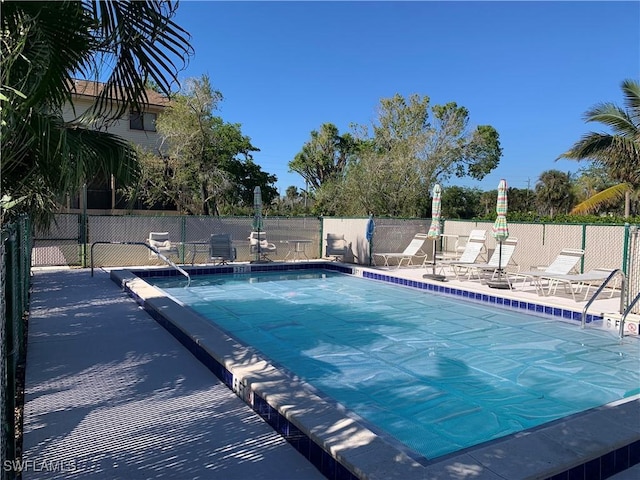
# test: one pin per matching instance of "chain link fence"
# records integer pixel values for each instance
(15, 262)
(69, 241)
(60, 243)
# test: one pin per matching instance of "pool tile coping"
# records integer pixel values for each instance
(340, 447)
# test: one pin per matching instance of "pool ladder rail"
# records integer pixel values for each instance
(153, 249)
(623, 310)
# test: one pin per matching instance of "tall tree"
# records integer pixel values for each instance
(618, 151)
(413, 145)
(461, 202)
(592, 179)
(204, 163)
(521, 200)
(244, 176)
(44, 45)
(554, 193)
(324, 156)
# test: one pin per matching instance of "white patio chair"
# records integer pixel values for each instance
(258, 244)
(160, 243)
(574, 283)
(501, 259)
(413, 250)
(564, 264)
(473, 249)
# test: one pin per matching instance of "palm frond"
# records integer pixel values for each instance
(592, 146)
(144, 43)
(614, 117)
(631, 90)
(66, 155)
(603, 198)
(82, 154)
(57, 42)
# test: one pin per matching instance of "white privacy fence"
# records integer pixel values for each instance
(538, 244)
(633, 267)
(606, 246)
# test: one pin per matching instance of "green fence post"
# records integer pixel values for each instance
(584, 245)
(183, 235)
(625, 248)
(84, 225)
(321, 219)
(10, 345)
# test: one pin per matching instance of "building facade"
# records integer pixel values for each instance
(138, 128)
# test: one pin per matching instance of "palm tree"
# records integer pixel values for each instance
(553, 192)
(619, 151)
(44, 45)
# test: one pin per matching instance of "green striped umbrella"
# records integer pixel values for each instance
(500, 229)
(257, 209)
(436, 205)
(257, 218)
(434, 229)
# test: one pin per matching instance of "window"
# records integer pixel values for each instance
(143, 121)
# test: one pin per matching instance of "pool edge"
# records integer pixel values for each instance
(352, 451)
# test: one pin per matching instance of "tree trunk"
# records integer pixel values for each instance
(627, 204)
(205, 204)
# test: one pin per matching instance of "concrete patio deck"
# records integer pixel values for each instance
(111, 394)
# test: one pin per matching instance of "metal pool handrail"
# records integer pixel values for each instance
(600, 288)
(153, 249)
(626, 312)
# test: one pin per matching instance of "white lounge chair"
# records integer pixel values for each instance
(258, 244)
(500, 259)
(221, 249)
(160, 243)
(473, 249)
(574, 283)
(413, 250)
(564, 264)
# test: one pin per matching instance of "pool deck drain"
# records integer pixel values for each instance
(75, 393)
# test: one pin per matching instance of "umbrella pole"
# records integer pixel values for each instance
(433, 275)
(500, 282)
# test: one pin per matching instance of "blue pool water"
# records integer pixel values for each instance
(435, 373)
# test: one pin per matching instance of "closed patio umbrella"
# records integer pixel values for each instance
(371, 226)
(436, 207)
(434, 228)
(500, 230)
(257, 216)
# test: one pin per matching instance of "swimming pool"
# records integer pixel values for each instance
(434, 373)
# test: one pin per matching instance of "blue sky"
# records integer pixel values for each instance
(529, 69)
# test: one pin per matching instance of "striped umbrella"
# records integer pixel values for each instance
(257, 209)
(436, 204)
(500, 229)
(434, 229)
(257, 217)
